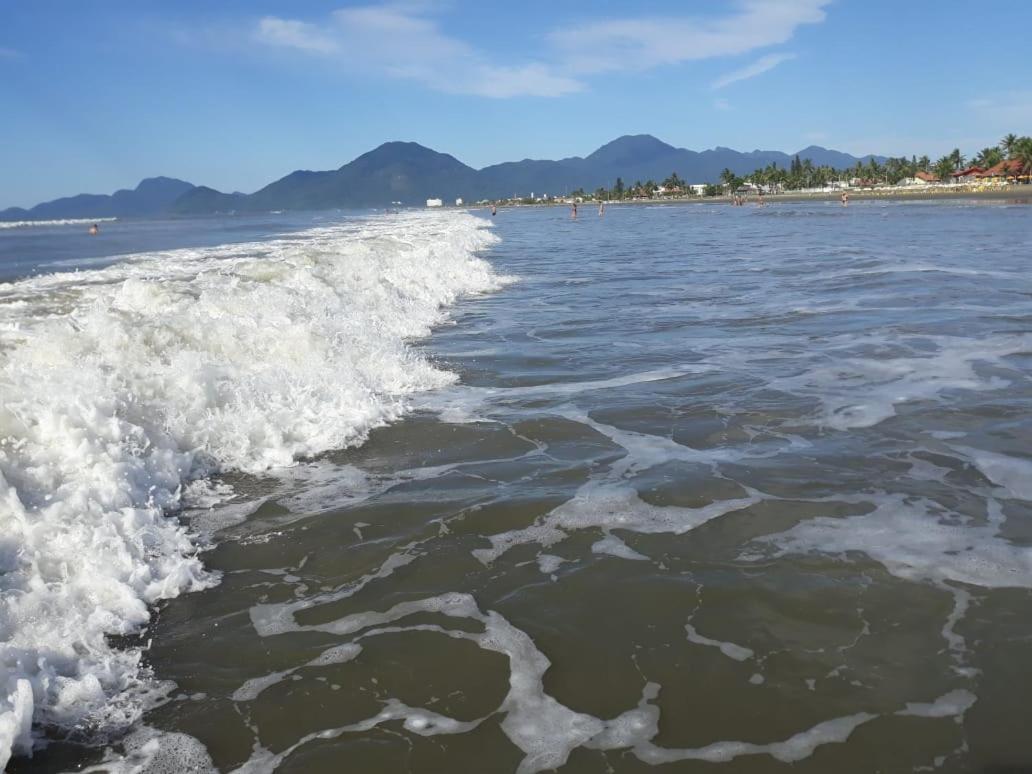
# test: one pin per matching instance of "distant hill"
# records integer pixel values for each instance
(153, 196)
(409, 173)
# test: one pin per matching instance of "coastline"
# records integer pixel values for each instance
(1022, 193)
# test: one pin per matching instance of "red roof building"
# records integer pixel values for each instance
(926, 177)
(1010, 168)
(969, 173)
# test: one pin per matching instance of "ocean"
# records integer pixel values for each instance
(680, 488)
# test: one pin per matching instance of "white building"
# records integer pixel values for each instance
(434, 203)
(458, 202)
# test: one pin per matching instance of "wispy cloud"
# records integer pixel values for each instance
(294, 34)
(405, 39)
(401, 41)
(760, 66)
(1012, 107)
(643, 43)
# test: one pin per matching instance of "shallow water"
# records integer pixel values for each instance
(741, 486)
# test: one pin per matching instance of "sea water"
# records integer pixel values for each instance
(674, 487)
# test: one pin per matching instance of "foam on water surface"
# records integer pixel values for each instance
(122, 385)
(953, 704)
(860, 390)
(1013, 474)
(545, 730)
(729, 649)
(916, 540)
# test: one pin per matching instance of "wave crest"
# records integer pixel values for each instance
(121, 385)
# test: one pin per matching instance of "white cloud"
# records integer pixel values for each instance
(404, 40)
(643, 43)
(401, 41)
(760, 66)
(294, 34)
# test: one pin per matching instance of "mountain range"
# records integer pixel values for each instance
(410, 173)
(153, 196)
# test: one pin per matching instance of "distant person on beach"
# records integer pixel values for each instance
(494, 210)
(94, 230)
(573, 210)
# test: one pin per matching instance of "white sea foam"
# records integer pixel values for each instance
(729, 649)
(953, 704)
(545, 730)
(607, 501)
(121, 385)
(1013, 474)
(150, 751)
(916, 539)
(59, 222)
(861, 390)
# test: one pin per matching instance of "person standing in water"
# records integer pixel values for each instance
(845, 198)
(601, 208)
(573, 211)
(494, 210)
(94, 230)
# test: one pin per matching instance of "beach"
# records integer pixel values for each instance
(1015, 193)
(676, 488)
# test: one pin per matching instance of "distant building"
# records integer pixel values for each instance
(434, 203)
(968, 175)
(458, 202)
(925, 178)
(697, 188)
(1003, 171)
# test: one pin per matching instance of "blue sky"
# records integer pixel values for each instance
(96, 96)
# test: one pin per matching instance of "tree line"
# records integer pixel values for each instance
(803, 173)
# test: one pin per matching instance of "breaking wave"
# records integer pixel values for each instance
(122, 385)
(58, 222)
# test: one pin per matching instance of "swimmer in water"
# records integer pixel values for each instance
(494, 210)
(845, 198)
(94, 230)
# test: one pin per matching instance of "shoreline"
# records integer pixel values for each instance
(1022, 193)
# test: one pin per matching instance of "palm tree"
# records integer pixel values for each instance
(727, 177)
(989, 157)
(673, 183)
(957, 158)
(1007, 144)
(1022, 152)
(944, 168)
